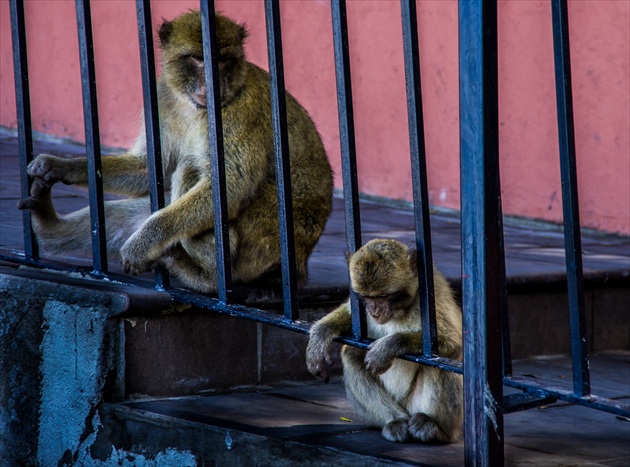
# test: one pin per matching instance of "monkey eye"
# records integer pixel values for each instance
(374, 297)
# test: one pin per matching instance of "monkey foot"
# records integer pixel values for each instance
(396, 431)
(422, 428)
(40, 202)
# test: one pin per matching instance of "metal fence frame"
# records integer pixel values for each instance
(486, 338)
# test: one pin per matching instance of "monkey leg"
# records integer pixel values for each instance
(194, 261)
(370, 399)
(424, 429)
(124, 174)
(436, 406)
(73, 232)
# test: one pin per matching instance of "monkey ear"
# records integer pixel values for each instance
(165, 32)
(348, 256)
(413, 260)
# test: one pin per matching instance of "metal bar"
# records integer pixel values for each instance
(523, 401)
(92, 138)
(215, 135)
(348, 150)
(570, 206)
(505, 319)
(481, 282)
(419, 177)
(281, 150)
(590, 401)
(531, 386)
(23, 112)
(265, 317)
(151, 120)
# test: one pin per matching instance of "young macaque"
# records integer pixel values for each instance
(411, 402)
(181, 236)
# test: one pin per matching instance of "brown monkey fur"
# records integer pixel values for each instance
(181, 236)
(409, 401)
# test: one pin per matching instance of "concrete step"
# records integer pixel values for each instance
(312, 424)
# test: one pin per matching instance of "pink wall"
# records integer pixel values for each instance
(600, 39)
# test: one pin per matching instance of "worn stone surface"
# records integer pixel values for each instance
(20, 336)
(59, 346)
(313, 424)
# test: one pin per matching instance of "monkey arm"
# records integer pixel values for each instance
(449, 342)
(124, 174)
(185, 217)
(318, 351)
(383, 351)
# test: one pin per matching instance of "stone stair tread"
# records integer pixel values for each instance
(319, 415)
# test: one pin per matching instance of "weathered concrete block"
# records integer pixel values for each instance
(59, 348)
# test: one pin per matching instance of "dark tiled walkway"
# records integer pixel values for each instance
(319, 415)
(534, 252)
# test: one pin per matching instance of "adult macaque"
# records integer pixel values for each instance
(409, 401)
(181, 236)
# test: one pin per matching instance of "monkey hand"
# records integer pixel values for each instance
(318, 353)
(135, 255)
(52, 169)
(381, 354)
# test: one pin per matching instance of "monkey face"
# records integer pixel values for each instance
(384, 308)
(378, 308)
(182, 53)
(195, 80)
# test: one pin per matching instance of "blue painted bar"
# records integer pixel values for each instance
(570, 206)
(283, 168)
(151, 121)
(92, 137)
(23, 112)
(480, 199)
(348, 150)
(215, 136)
(419, 177)
(603, 404)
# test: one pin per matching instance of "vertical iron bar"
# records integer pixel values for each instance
(348, 149)
(505, 319)
(419, 177)
(23, 112)
(215, 135)
(281, 150)
(92, 138)
(151, 120)
(480, 193)
(570, 206)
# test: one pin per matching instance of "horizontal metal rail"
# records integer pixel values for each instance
(529, 385)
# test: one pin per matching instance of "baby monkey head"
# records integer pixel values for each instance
(182, 57)
(384, 274)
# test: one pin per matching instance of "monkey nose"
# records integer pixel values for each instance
(199, 99)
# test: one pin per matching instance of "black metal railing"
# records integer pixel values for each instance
(486, 340)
